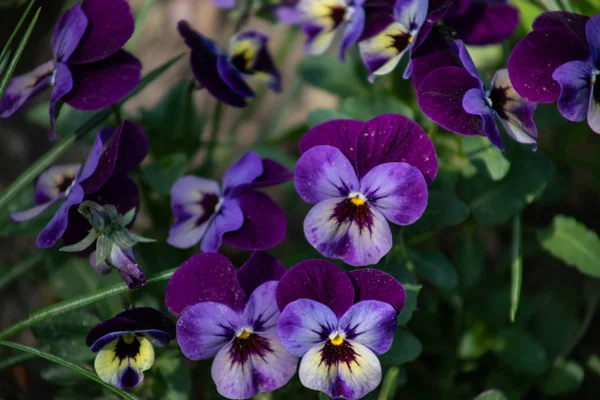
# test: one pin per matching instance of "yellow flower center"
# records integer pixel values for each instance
(244, 335)
(337, 340)
(410, 39)
(128, 338)
(357, 199)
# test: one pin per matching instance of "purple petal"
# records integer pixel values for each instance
(353, 31)
(575, 80)
(68, 32)
(358, 235)
(324, 172)
(264, 223)
(465, 58)
(435, 52)
(125, 262)
(475, 103)
(305, 323)
(371, 323)
(54, 181)
(248, 51)
(261, 312)
(229, 218)
(410, 13)
(63, 86)
(396, 138)
(377, 19)
(373, 284)
(261, 371)
(350, 379)
(243, 171)
(531, 64)
(258, 269)
(151, 318)
(133, 146)
(33, 212)
(226, 4)
(101, 84)
(232, 77)
(274, 173)
(592, 33)
(288, 15)
(205, 328)
(110, 25)
(566, 21)
(206, 277)
(317, 280)
(107, 331)
(58, 224)
(593, 116)
(440, 97)
(398, 190)
(382, 53)
(23, 88)
(486, 23)
(340, 133)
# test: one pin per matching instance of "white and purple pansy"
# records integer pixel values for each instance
(90, 70)
(359, 175)
(451, 93)
(338, 323)
(224, 73)
(232, 317)
(235, 213)
(124, 344)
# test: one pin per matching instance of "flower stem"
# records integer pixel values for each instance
(516, 268)
(244, 15)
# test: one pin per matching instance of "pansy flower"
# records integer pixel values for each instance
(90, 70)
(393, 31)
(232, 317)
(568, 72)
(114, 153)
(235, 213)
(454, 96)
(359, 175)
(226, 4)
(124, 344)
(338, 323)
(223, 73)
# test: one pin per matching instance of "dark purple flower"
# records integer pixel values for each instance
(453, 95)
(483, 22)
(102, 178)
(390, 32)
(124, 344)
(89, 71)
(236, 213)
(233, 318)
(338, 323)
(359, 175)
(223, 74)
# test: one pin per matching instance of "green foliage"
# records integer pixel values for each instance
(406, 348)
(489, 161)
(325, 72)
(435, 267)
(443, 210)
(491, 395)
(521, 351)
(372, 105)
(564, 377)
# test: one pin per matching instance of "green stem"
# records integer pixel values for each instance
(272, 123)
(390, 384)
(19, 358)
(67, 364)
(117, 113)
(140, 21)
(78, 302)
(516, 268)
(214, 134)
(16, 30)
(21, 268)
(587, 320)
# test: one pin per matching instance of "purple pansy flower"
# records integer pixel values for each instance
(451, 93)
(483, 22)
(236, 213)
(226, 4)
(102, 178)
(569, 72)
(232, 317)
(338, 323)
(359, 175)
(223, 74)
(89, 71)
(392, 31)
(124, 344)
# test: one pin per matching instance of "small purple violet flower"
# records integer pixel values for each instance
(124, 344)
(454, 96)
(89, 71)
(232, 317)
(237, 214)
(338, 323)
(358, 175)
(223, 74)
(573, 62)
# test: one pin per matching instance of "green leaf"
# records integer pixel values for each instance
(443, 210)
(435, 267)
(67, 364)
(564, 377)
(7, 275)
(497, 202)
(328, 73)
(409, 282)
(176, 376)
(475, 342)
(516, 268)
(389, 384)
(405, 348)
(162, 174)
(521, 351)
(321, 115)
(488, 160)
(372, 105)
(573, 243)
(469, 258)
(492, 394)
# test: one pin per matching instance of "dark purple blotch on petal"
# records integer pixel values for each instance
(261, 267)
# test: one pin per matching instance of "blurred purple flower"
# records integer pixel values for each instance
(223, 74)
(226, 4)
(89, 70)
(124, 344)
(237, 214)
(232, 317)
(560, 60)
(338, 323)
(360, 174)
(451, 93)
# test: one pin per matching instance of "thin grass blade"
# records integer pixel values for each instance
(16, 30)
(516, 268)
